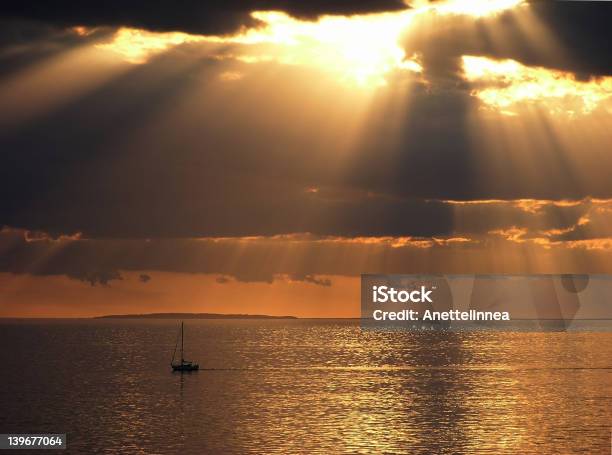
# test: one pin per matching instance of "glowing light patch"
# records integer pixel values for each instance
(137, 46)
(82, 31)
(476, 8)
(360, 48)
(506, 84)
(230, 76)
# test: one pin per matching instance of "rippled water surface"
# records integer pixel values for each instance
(304, 386)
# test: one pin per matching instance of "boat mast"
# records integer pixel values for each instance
(182, 357)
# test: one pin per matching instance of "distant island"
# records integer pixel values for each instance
(191, 316)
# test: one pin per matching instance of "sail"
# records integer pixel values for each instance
(175, 347)
(183, 365)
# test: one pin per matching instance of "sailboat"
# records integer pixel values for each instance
(183, 365)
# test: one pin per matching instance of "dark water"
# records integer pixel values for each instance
(305, 387)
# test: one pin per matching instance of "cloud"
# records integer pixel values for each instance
(581, 29)
(249, 276)
(309, 278)
(568, 36)
(555, 236)
(231, 169)
(144, 278)
(199, 178)
(102, 277)
(167, 150)
(197, 17)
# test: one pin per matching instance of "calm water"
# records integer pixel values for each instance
(305, 387)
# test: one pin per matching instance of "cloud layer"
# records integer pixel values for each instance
(488, 236)
(197, 17)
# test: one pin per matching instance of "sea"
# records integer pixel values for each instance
(304, 386)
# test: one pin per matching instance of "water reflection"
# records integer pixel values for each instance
(307, 387)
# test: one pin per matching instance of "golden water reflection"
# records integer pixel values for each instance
(310, 386)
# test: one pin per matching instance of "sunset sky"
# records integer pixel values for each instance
(258, 156)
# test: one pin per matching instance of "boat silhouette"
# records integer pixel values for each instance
(183, 365)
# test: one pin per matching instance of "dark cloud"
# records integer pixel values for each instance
(199, 178)
(24, 43)
(486, 237)
(583, 32)
(569, 36)
(309, 278)
(144, 278)
(268, 277)
(198, 17)
(102, 261)
(102, 277)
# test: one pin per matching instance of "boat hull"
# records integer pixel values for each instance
(182, 368)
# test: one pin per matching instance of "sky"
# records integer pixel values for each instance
(258, 156)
